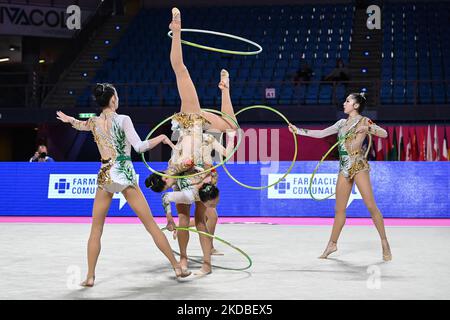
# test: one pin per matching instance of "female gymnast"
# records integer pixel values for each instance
(114, 135)
(201, 188)
(189, 190)
(353, 168)
(192, 122)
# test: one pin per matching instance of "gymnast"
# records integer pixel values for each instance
(193, 148)
(353, 167)
(114, 135)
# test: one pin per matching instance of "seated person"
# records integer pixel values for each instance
(339, 73)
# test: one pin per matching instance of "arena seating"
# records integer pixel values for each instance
(415, 44)
(319, 34)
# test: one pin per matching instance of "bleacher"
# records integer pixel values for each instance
(416, 46)
(319, 34)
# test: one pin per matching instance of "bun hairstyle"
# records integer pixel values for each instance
(360, 98)
(208, 192)
(103, 92)
(155, 182)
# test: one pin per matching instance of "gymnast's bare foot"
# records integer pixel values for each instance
(224, 80)
(215, 252)
(387, 255)
(89, 282)
(204, 270)
(175, 25)
(331, 247)
(180, 272)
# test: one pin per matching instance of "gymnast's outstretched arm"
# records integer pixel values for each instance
(316, 133)
(139, 145)
(77, 124)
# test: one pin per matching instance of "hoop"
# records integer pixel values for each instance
(221, 240)
(222, 34)
(201, 172)
(293, 159)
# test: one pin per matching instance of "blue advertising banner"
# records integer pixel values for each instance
(401, 190)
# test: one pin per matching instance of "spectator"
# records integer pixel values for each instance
(41, 155)
(340, 73)
(303, 74)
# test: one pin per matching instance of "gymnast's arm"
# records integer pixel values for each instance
(76, 124)
(135, 141)
(185, 197)
(375, 130)
(161, 139)
(133, 138)
(316, 133)
(368, 127)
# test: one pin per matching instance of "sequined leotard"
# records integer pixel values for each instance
(351, 157)
(200, 158)
(114, 135)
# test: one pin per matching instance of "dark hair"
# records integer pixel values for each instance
(103, 93)
(155, 182)
(360, 98)
(208, 192)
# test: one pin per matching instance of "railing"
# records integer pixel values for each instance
(405, 92)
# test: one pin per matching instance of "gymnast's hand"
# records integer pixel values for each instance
(293, 128)
(171, 225)
(167, 141)
(63, 117)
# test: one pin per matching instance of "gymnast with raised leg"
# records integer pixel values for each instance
(114, 135)
(192, 122)
(191, 158)
(198, 188)
(353, 167)
(202, 187)
(191, 119)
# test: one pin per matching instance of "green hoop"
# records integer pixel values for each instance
(198, 173)
(292, 162)
(250, 262)
(242, 53)
(326, 155)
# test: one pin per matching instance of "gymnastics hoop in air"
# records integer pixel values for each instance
(293, 159)
(222, 34)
